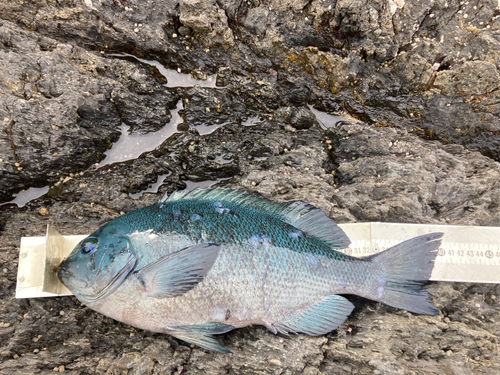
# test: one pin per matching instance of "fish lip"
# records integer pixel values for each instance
(113, 284)
(62, 270)
(62, 273)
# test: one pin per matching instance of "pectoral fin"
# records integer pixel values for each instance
(178, 273)
(322, 317)
(201, 339)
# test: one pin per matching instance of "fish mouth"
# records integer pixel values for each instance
(64, 273)
(112, 285)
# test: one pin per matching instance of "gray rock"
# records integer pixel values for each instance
(206, 18)
(256, 20)
(398, 177)
(62, 107)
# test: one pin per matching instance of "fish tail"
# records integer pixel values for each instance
(403, 270)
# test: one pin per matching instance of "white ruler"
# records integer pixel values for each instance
(467, 254)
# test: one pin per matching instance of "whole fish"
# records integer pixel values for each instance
(208, 261)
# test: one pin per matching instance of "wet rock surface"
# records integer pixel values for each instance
(415, 137)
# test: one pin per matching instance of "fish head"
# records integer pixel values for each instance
(98, 265)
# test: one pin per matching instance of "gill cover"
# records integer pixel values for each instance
(97, 265)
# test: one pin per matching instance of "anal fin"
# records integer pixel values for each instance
(214, 328)
(318, 319)
(201, 339)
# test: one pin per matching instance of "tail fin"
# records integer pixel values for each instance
(405, 268)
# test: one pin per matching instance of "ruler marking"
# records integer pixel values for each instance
(456, 261)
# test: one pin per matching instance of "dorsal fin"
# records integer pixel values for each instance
(301, 215)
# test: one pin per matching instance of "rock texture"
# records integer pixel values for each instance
(370, 110)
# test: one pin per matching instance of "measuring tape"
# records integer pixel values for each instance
(467, 254)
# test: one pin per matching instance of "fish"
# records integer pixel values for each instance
(202, 263)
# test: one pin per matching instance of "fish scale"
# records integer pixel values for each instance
(212, 260)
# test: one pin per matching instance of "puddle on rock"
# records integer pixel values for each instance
(153, 188)
(252, 121)
(131, 146)
(28, 195)
(209, 129)
(221, 159)
(174, 78)
(191, 185)
(326, 120)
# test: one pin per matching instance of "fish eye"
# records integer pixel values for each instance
(89, 246)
